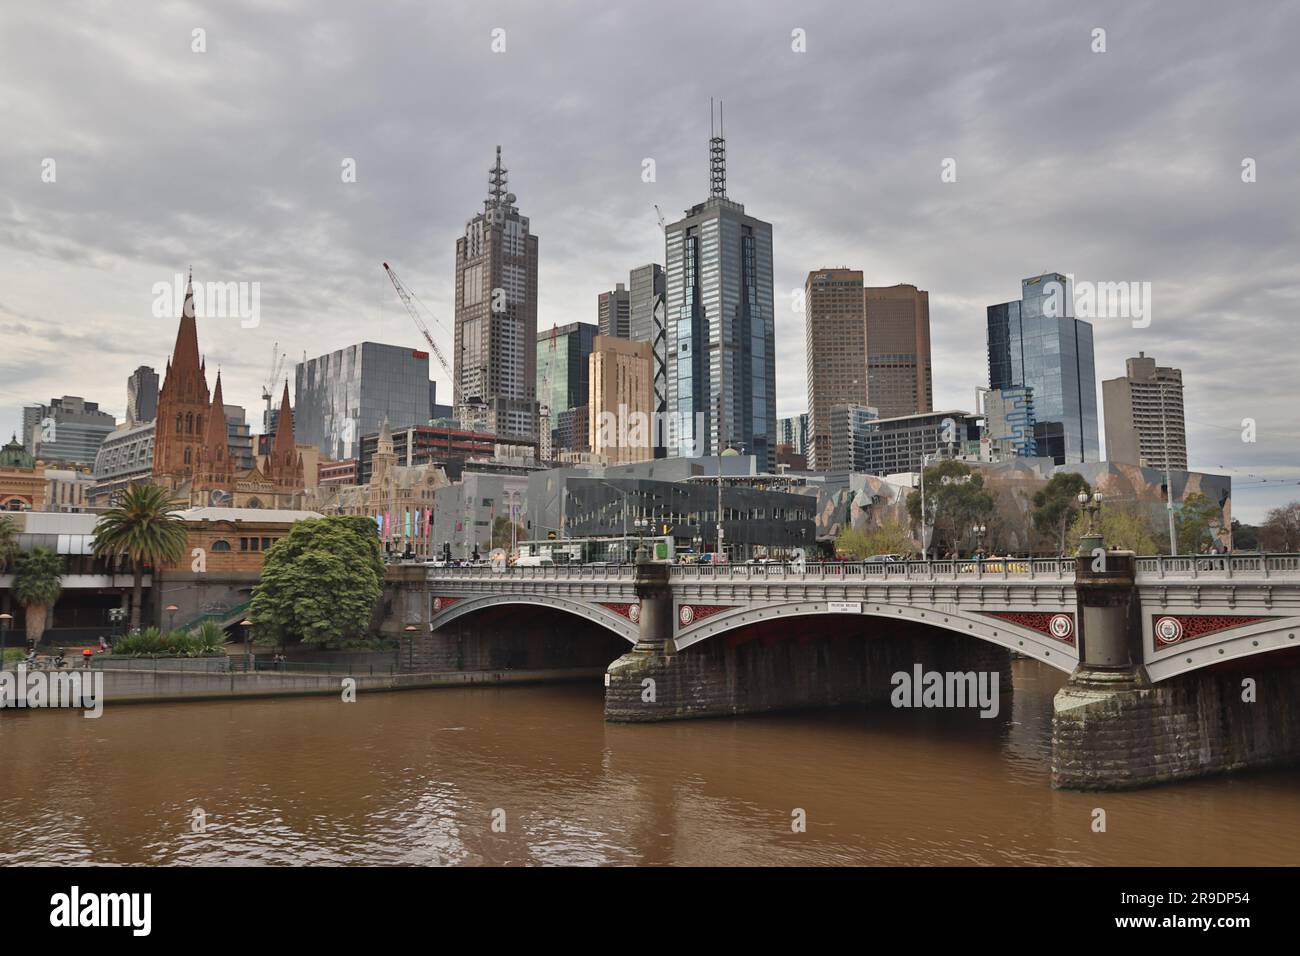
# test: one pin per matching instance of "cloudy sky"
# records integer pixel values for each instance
(1117, 166)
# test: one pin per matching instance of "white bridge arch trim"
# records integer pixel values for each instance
(1248, 640)
(1013, 637)
(590, 610)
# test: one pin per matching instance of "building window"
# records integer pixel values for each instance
(220, 545)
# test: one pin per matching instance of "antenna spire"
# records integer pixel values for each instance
(717, 156)
(497, 182)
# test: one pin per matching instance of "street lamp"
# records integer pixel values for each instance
(1091, 506)
(642, 525)
(980, 530)
(5, 620)
(171, 610)
(247, 625)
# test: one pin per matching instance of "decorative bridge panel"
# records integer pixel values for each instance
(1170, 629)
(1059, 626)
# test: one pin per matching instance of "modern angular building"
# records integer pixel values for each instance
(352, 391)
(1144, 416)
(496, 314)
(1037, 343)
(649, 324)
(562, 354)
(1009, 422)
(899, 380)
(835, 352)
(721, 360)
(69, 430)
(142, 396)
(614, 312)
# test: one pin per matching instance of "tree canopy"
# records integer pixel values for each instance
(891, 537)
(955, 499)
(1056, 506)
(320, 582)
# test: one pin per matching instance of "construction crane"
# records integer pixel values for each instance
(660, 215)
(277, 367)
(409, 301)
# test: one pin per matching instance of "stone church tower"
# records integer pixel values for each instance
(182, 404)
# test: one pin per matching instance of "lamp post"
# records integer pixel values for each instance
(247, 625)
(642, 525)
(1091, 506)
(6, 619)
(116, 616)
(171, 610)
(980, 530)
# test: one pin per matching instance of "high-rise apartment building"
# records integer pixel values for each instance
(1144, 416)
(721, 360)
(835, 352)
(69, 430)
(1036, 342)
(346, 394)
(619, 407)
(614, 312)
(496, 314)
(899, 378)
(649, 323)
(142, 396)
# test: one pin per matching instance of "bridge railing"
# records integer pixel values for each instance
(554, 572)
(1185, 566)
(1054, 568)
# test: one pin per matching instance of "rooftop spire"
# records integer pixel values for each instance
(497, 182)
(717, 156)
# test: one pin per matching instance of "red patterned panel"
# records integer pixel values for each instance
(630, 611)
(1055, 625)
(688, 614)
(1169, 629)
(442, 603)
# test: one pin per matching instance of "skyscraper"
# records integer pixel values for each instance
(648, 323)
(614, 312)
(835, 352)
(1144, 416)
(618, 406)
(721, 325)
(496, 314)
(69, 430)
(562, 353)
(142, 396)
(1037, 342)
(898, 350)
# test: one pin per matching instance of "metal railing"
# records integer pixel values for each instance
(566, 572)
(1191, 566)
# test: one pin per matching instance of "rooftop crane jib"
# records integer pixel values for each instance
(408, 301)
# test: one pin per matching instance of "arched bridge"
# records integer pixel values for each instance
(1187, 612)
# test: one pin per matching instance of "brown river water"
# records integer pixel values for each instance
(419, 777)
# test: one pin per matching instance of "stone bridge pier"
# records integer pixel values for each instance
(1113, 728)
(779, 664)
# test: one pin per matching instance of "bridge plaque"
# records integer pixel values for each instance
(844, 607)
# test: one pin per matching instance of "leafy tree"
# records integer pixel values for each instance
(501, 532)
(1192, 520)
(320, 582)
(956, 500)
(1124, 526)
(142, 526)
(1281, 528)
(8, 542)
(1056, 506)
(38, 583)
(1245, 537)
(891, 537)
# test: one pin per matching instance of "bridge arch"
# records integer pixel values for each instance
(609, 619)
(1004, 633)
(1230, 644)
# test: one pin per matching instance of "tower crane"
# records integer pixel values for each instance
(409, 301)
(277, 367)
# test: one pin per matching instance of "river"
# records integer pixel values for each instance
(419, 777)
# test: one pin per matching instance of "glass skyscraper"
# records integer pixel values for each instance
(721, 361)
(1037, 343)
(562, 354)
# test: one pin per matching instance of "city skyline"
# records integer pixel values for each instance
(155, 177)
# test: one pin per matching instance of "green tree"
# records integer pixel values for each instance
(38, 582)
(320, 582)
(1124, 527)
(1245, 537)
(1056, 506)
(501, 532)
(891, 537)
(8, 542)
(956, 500)
(144, 527)
(1193, 518)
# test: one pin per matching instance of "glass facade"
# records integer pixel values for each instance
(349, 393)
(562, 375)
(1032, 346)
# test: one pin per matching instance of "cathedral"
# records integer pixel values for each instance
(191, 448)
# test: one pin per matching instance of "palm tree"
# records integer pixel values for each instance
(141, 526)
(37, 584)
(8, 542)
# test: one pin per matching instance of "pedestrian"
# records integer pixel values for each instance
(86, 653)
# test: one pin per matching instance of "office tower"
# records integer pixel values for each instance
(898, 350)
(562, 353)
(496, 314)
(891, 446)
(239, 437)
(1036, 342)
(614, 311)
(142, 396)
(835, 352)
(793, 431)
(649, 324)
(1009, 422)
(848, 427)
(721, 332)
(69, 430)
(620, 424)
(1144, 416)
(350, 392)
